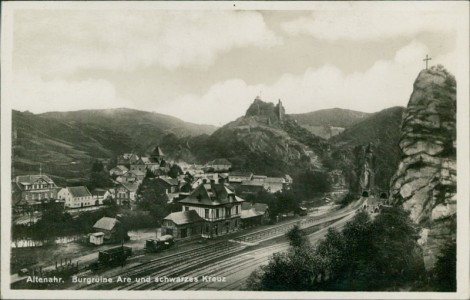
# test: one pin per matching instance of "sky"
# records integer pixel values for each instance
(207, 66)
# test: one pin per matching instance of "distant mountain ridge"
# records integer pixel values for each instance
(143, 127)
(265, 140)
(327, 123)
(65, 143)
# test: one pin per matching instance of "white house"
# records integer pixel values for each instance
(77, 196)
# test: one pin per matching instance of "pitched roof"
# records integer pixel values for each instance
(275, 180)
(158, 152)
(146, 160)
(242, 174)
(249, 213)
(129, 156)
(106, 223)
(211, 194)
(122, 168)
(170, 181)
(132, 187)
(260, 207)
(184, 217)
(30, 179)
(79, 191)
(253, 210)
(99, 192)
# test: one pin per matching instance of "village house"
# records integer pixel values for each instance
(206, 177)
(238, 177)
(262, 182)
(274, 184)
(131, 177)
(35, 187)
(152, 163)
(218, 205)
(254, 214)
(250, 187)
(183, 224)
(259, 178)
(141, 164)
(112, 229)
(139, 175)
(169, 185)
(77, 196)
(218, 165)
(126, 193)
(118, 170)
(102, 194)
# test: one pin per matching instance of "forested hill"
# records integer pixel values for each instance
(144, 128)
(66, 143)
(382, 131)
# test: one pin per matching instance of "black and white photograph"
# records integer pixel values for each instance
(235, 150)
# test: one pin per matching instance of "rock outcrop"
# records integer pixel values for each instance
(425, 182)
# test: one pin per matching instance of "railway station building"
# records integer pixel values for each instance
(217, 205)
(183, 225)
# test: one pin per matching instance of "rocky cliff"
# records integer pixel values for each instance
(425, 182)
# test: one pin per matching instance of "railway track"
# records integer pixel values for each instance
(219, 258)
(243, 263)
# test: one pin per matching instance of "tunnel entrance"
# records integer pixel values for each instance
(365, 194)
(383, 195)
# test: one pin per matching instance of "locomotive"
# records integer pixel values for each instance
(159, 244)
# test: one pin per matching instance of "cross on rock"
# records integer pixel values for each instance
(426, 60)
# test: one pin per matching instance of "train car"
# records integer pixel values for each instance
(113, 256)
(159, 244)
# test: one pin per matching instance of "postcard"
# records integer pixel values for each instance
(235, 149)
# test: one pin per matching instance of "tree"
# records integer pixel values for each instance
(296, 237)
(153, 199)
(445, 271)
(149, 174)
(175, 171)
(367, 255)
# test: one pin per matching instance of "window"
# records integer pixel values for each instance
(217, 213)
(186, 208)
(206, 213)
(236, 210)
(227, 212)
